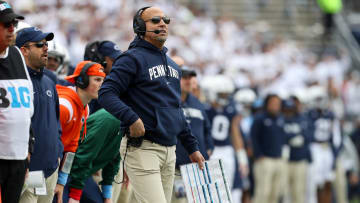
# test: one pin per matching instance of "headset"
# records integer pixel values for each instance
(139, 25)
(82, 81)
(92, 53)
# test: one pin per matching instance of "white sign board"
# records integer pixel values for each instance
(206, 186)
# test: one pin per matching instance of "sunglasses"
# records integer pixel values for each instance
(39, 44)
(157, 19)
(11, 23)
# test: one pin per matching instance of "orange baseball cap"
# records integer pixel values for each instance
(95, 70)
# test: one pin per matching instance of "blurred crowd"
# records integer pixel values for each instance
(248, 55)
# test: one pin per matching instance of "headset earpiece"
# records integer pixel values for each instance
(82, 81)
(139, 25)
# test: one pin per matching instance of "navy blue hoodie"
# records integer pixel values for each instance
(296, 129)
(267, 135)
(145, 83)
(200, 126)
(45, 123)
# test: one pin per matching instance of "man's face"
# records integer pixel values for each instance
(274, 105)
(6, 33)
(95, 83)
(151, 17)
(194, 84)
(186, 84)
(36, 54)
(53, 63)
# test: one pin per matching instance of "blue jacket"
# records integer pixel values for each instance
(200, 127)
(45, 123)
(297, 133)
(145, 83)
(267, 135)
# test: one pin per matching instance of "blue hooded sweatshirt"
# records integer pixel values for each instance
(200, 126)
(45, 123)
(297, 132)
(267, 135)
(145, 83)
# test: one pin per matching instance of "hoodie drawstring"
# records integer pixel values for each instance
(163, 56)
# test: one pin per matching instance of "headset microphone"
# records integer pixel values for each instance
(154, 31)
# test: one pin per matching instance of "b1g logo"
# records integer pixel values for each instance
(20, 97)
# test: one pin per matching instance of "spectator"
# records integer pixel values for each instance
(45, 122)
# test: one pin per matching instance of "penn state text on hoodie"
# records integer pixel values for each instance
(145, 83)
(200, 126)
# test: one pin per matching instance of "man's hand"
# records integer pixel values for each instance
(137, 129)
(59, 189)
(243, 162)
(27, 164)
(353, 179)
(244, 170)
(27, 173)
(106, 200)
(125, 184)
(198, 158)
(71, 200)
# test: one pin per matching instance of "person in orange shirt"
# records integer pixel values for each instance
(87, 77)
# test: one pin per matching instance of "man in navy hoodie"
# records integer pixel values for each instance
(298, 138)
(45, 121)
(268, 140)
(143, 92)
(200, 126)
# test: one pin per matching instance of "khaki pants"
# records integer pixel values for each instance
(151, 170)
(269, 180)
(29, 195)
(340, 183)
(297, 180)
